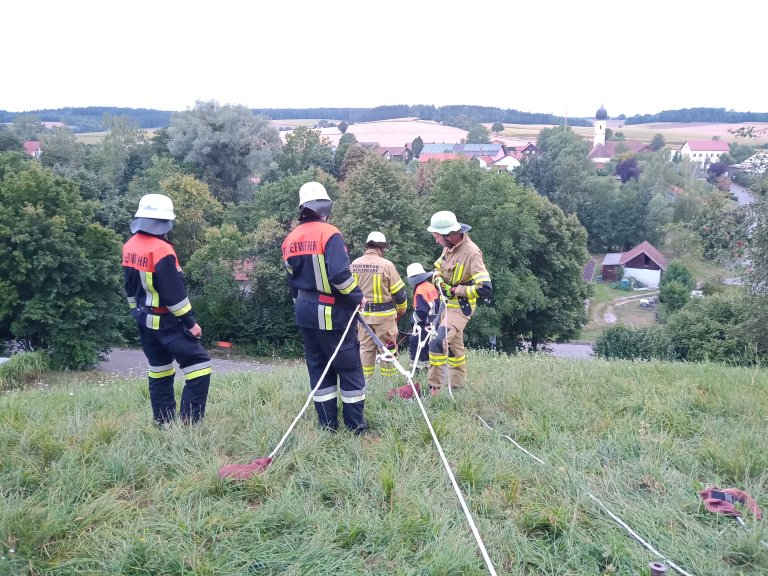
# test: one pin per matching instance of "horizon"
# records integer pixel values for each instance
(588, 117)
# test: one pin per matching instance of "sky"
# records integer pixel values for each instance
(564, 57)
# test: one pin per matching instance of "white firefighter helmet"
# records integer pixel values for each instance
(416, 274)
(157, 206)
(445, 222)
(313, 196)
(378, 238)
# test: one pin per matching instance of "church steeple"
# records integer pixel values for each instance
(601, 120)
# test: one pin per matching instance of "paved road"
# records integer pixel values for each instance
(127, 362)
(743, 195)
(571, 350)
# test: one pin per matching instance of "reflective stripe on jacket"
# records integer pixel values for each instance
(154, 284)
(381, 284)
(462, 266)
(324, 291)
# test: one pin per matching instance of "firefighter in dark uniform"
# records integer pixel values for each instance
(326, 297)
(154, 286)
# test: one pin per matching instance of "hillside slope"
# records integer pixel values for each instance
(91, 487)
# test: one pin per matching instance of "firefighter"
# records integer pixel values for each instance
(460, 275)
(386, 302)
(326, 297)
(426, 306)
(154, 286)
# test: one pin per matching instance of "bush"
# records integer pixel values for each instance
(22, 369)
(713, 329)
(634, 343)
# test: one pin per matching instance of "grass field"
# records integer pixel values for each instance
(675, 133)
(90, 487)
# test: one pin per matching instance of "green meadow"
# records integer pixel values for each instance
(89, 486)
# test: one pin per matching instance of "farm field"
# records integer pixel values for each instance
(91, 487)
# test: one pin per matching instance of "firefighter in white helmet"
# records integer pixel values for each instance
(386, 302)
(154, 286)
(326, 296)
(460, 274)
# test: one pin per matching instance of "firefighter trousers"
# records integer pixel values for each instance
(387, 333)
(162, 347)
(446, 351)
(345, 372)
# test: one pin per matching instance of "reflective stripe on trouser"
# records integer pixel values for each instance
(451, 365)
(386, 330)
(162, 347)
(345, 373)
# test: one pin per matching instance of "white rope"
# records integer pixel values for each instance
(391, 358)
(315, 389)
(605, 509)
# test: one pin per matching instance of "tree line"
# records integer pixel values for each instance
(699, 115)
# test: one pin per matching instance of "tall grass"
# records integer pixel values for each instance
(88, 486)
(22, 369)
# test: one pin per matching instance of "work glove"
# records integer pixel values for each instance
(405, 392)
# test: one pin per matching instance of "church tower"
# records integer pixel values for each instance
(601, 117)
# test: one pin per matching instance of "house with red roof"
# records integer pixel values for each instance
(704, 152)
(32, 147)
(602, 153)
(644, 263)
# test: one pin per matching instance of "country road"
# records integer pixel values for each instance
(128, 362)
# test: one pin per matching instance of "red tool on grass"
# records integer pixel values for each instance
(245, 471)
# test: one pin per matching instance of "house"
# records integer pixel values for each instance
(242, 270)
(644, 263)
(602, 153)
(492, 156)
(396, 153)
(704, 152)
(32, 147)
(755, 164)
(508, 163)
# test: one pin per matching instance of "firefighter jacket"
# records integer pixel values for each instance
(462, 268)
(424, 298)
(154, 283)
(324, 292)
(382, 286)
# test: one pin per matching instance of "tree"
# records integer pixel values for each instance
(121, 154)
(677, 272)
(10, 142)
(535, 265)
(417, 146)
(378, 195)
(628, 169)
(228, 140)
(657, 142)
(478, 134)
(61, 148)
(497, 128)
(343, 127)
(27, 127)
(60, 282)
(345, 142)
(304, 149)
(195, 208)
